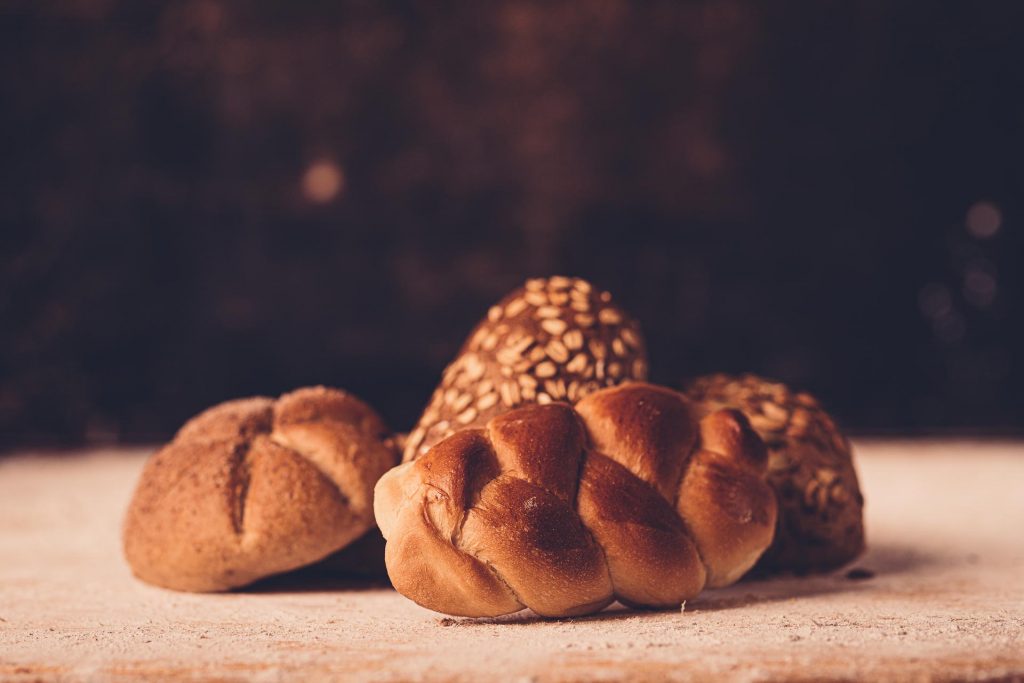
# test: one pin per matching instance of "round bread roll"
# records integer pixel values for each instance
(628, 496)
(255, 487)
(553, 339)
(810, 466)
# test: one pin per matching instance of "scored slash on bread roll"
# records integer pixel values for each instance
(553, 339)
(255, 487)
(628, 496)
(810, 467)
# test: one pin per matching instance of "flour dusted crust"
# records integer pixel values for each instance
(254, 487)
(810, 466)
(553, 339)
(627, 496)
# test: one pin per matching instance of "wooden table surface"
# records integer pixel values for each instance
(945, 602)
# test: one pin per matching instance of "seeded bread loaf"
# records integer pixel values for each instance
(810, 466)
(554, 339)
(628, 496)
(254, 487)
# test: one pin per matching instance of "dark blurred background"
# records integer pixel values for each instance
(203, 200)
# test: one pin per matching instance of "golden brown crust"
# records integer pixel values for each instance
(241, 418)
(644, 428)
(255, 487)
(538, 546)
(564, 510)
(727, 507)
(426, 503)
(810, 467)
(553, 339)
(652, 560)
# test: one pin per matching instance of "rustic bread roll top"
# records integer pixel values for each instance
(810, 467)
(626, 497)
(554, 339)
(255, 487)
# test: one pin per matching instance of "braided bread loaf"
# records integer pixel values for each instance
(553, 339)
(255, 487)
(626, 497)
(810, 466)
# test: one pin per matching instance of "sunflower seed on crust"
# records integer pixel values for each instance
(509, 393)
(630, 337)
(573, 340)
(555, 388)
(537, 298)
(557, 351)
(578, 363)
(515, 307)
(559, 282)
(553, 326)
(545, 369)
(580, 306)
(548, 312)
(584, 320)
(462, 402)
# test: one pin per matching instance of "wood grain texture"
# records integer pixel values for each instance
(946, 599)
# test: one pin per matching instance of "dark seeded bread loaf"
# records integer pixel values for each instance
(810, 466)
(553, 339)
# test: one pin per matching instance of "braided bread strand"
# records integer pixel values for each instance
(626, 497)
